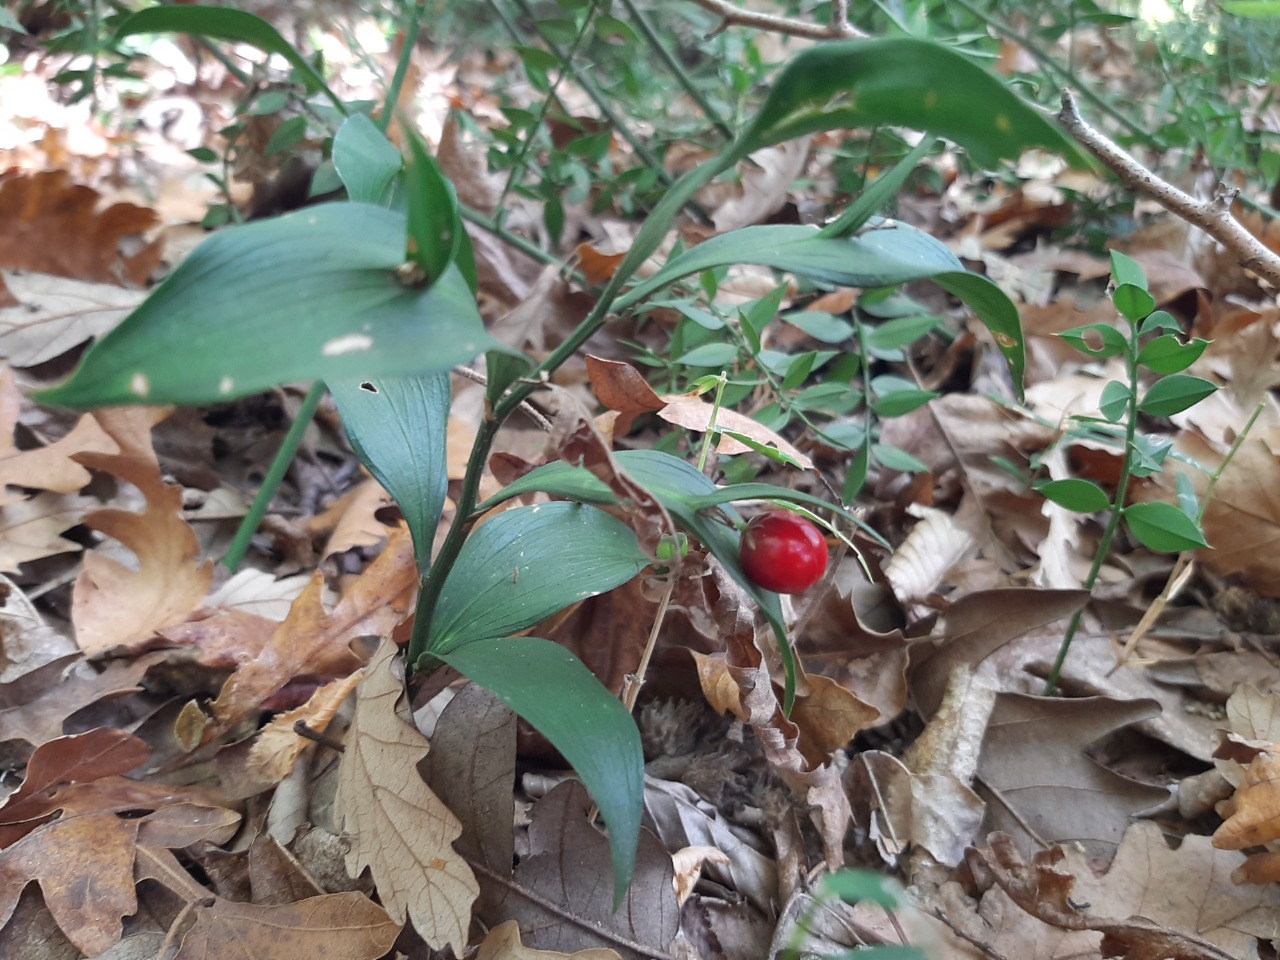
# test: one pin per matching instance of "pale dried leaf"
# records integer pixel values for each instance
(694, 413)
(53, 314)
(933, 546)
(503, 943)
(396, 826)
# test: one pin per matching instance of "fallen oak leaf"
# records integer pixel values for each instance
(397, 827)
(503, 943)
(694, 413)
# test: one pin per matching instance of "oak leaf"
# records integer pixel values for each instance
(397, 827)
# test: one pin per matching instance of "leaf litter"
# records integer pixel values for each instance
(174, 737)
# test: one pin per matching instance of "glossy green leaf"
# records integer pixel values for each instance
(225, 23)
(879, 194)
(895, 458)
(710, 355)
(1114, 402)
(1125, 269)
(903, 81)
(1168, 354)
(1175, 393)
(1159, 320)
(1163, 527)
(366, 161)
(855, 478)
(398, 426)
(1133, 302)
(1150, 453)
(1110, 341)
(559, 479)
(997, 312)
(901, 331)
(435, 227)
(821, 326)
(503, 369)
(548, 686)
(309, 296)
(527, 563)
(895, 396)
(1082, 496)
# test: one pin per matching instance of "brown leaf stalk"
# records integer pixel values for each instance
(732, 15)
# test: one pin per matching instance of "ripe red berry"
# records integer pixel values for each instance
(783, 552)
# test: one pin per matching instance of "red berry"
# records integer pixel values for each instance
(783, 552)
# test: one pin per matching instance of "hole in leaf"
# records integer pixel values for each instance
(368, 387)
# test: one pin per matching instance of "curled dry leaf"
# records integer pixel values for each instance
(503, 943)
(396, 826)
(933, 546)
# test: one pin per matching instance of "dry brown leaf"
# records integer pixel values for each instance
(568, 865)
(621, 387)
(33, 528)
(54, 314)
(313, 642)
(350, 520)
(503, 943)
(1039, 782)
(694, 413)
(28, 642)
(51, 225)
(113, 605)
(396, 826)
(766, 182)
(934, 545)
(347, 925)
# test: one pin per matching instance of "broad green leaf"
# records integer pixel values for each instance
(1163, 527)
(309, 296)
(548, 686)
(1114, 402)
(1076, 494)
(1168, 354)
(1112, 341)
(856, 476)
(1159, 320)
(902, 81)
(996, 311)
(366, 161)
(398, 427)
(1133, 302)
(1150, 453)
(225, 23)
(896, 396)
(1175, 393)
(1188, 500)
(773, 453)
(503, 368)
(1125, 269)
(856, 886)
(821, 326)
(286, 137)
(435, 228)
(559, 479)
(527, 563)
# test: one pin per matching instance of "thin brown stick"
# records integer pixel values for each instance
(566, 915)
(1212, 216)
(732, 15)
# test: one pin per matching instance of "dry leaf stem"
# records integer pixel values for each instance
(1212, 216)
(732, 15)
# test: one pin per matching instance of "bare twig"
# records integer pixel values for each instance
(734, 16)
(1212, 216)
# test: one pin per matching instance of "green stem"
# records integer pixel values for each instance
(655, 43)
(402, 65)
(275, 476)
(1117, 508)
(490, 225)
(709, 437)
(1226, 461)
(429, 594)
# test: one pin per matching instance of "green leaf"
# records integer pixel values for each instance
(773, 453)
(710, 355)
(997, 312)
(856, 476)
(559, 479)
(224, 23)
(821, 326)
(1188, 500)
(503, 369)
(902, 81)
(527, 563)
(548, 686)
(798, 370)
(1265, 9)
(1163, 527)
(435, 227)
(1125, 269)
(758, 313)
(9, 22)
(286, 136)
(1159, 320)
(1175, 393)
(307, 296)
(896, 458)
(901, 332)
(856, 886)
(398, 427)
(1082, 496)
(1133, 302)
(879, 194)
(1112, 341)
(1150, 453)
(895, 396)
(1168, 354)
(1114, 402)
(366, 161)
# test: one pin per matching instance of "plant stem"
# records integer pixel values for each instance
(402, 66)
(275, 476)
(655, 43)
(433, 583)
(709, 437)
(1117, 508)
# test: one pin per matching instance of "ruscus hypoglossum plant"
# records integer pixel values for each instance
(374, 296)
